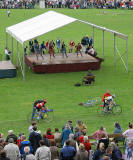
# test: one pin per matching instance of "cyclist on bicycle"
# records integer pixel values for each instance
(38, 106)
(107, 100)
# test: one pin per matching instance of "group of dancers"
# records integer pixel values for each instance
(49, 47)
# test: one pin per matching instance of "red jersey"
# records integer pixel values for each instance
(105, 95)
(87, 146)
(71, 43)
(40, 105)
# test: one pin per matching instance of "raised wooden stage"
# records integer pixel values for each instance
(7, 69)
(60, 64)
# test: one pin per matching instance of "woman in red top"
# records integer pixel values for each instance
(49, 134)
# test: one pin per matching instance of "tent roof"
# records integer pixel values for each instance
(38, 25)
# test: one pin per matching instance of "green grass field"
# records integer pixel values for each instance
(17, 96)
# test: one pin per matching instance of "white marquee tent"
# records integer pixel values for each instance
(47, 22)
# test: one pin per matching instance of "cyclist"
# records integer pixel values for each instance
(38, 106)
(107, 100)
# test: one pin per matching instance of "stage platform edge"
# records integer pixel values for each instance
(60, 65)
(7, 69)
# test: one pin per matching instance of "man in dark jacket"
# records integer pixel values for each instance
(35, 138)
(67, 152)
(11, 135)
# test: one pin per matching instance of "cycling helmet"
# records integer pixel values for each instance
(45, 101)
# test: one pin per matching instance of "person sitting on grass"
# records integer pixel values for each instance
(89, 78)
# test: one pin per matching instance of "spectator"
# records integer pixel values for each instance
(7, 53)
(104, 140)
(118, 130)
(81, 137)
(116, 153)
(97, 135)
(77, 133)
(73, 143)
(129, 150)
(49, 134)
(129, 132)
(35, 138)
(65, 134)
(57, 137)
(31, 126)
(46, 141)
(90, 50)
(23, 144)
(3, 155)
(100, 152)
(70, 125)
(82, 127)
(87, 144)
(54, 150)
(11, 135)
(67, 152)
(19, 140)
(82, 154)
(28, 155)
(12, 150)
(1, 144)
(43, 152)
(109, 152)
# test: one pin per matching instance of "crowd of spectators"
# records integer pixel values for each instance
(13, 4)
(72, 4)
(83, 4)
(69, 144)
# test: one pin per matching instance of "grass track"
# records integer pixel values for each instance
(17, 96)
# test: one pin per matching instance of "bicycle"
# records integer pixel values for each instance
(91, 102)
(46, 115)
(111, 109)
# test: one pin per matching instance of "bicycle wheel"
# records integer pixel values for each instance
(100, 111)
(48, 116)
(29, 117)
(117, 109)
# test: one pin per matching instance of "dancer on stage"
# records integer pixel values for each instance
(78, 49)
(51, 49)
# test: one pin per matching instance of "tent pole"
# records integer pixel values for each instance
(6, 40)
(23, 62)
(93, 36)
(12, 49)
(103, 43)
(17, 53)
(114, 50)
(127, 53)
